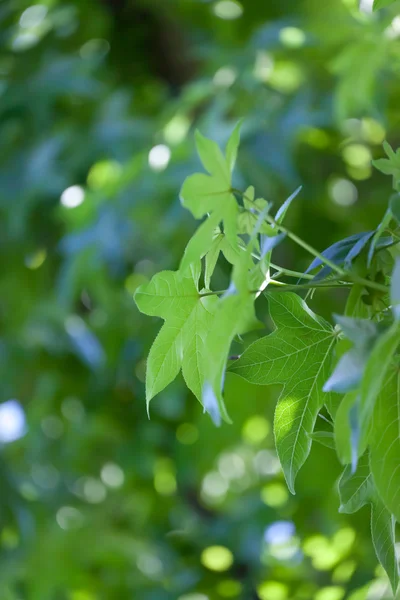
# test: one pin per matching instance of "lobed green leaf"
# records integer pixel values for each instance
(298, 356)
(180, 343)
(355, 491)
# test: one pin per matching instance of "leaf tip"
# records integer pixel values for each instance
(210, 404)
(290, 479)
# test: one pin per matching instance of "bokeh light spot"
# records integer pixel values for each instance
(286, 77)
(231, 466)
(94, 491)
(150, 565)
(33, 16)
(344, 571)
(214, 487)
(217, 558)
(373, 131)
(24, 41)
(225, 77)
(343, 192)
(112, 475)
(292, 37)
(228, 10)
(267, 463)
(360, 174)
(263, 66)
(256, 429)
(317, 138)
(344, 539)
(274, 494)
(159, 157)
(72, 196)
(279, 532)
(176, 129)
(272, 590)
(330, 593)
(69, 517)
(356, 155)
(164, 477)
(103, 173)
(12, 421)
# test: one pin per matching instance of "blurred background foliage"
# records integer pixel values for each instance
(98, 104)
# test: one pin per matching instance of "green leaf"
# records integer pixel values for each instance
(201, 242)
(385, 444)
(230, 319)
(269, 243)
(296, 355)
(181, 341)
(357, 249)
(385, 166)
(394, 205)
(356, 490)
(347, 373)
(375, 374)
(208, 194)
(325, 438)
(355, 306)
(233, 145)
(387, 217)
(349, 370)
(234, 315)
(247, 219)
(212, 158)
(337, 252)
(378, 4)
(390, 165)
(350, 441)
(219, 244)
(281, 213)
(362, 332)
(384, 539)
(395, 290)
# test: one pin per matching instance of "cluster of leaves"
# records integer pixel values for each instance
(87, 89)
(348, 373)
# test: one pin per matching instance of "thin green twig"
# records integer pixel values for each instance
(286, 287)
(352, 276)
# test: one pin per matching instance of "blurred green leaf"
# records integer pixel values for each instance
(356, 490)
(385, 444)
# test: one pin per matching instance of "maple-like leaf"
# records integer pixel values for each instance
(298, 355)
(358, 489)
(175, 297)
(211, 195)
(391, 164)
